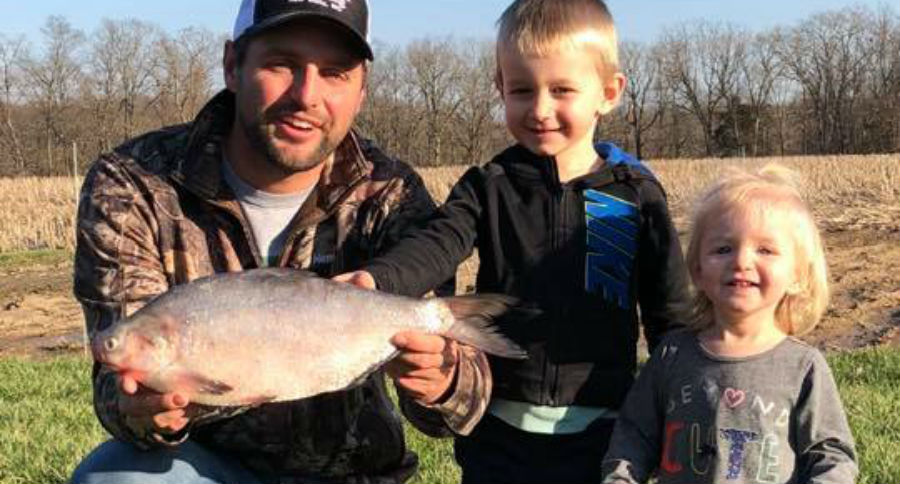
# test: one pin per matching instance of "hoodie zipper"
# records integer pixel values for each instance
(557, 227)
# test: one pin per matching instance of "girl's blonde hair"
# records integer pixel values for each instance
(774, 187)
(543, 27)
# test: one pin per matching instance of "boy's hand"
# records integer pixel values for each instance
(361, 279)
(426, 365)
(147, 411)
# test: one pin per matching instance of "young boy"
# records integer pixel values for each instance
(580, 232)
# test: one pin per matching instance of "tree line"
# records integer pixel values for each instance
(829, 84)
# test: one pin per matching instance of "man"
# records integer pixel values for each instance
(270, 173)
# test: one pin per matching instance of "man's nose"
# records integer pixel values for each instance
(305, 88)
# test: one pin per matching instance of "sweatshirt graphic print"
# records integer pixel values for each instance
(695, 417)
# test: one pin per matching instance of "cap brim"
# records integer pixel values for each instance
(360, 42)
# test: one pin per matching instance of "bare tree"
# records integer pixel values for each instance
(12, 52)
(54, 78)
(642, 68)
(122, 61)
(760, 69)
(183, 74)
(879, 121)
(390, 115)
(435, 69)
(477, 114)
(693, 87)
(828, 56)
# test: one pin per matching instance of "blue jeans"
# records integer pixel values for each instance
(189, 463)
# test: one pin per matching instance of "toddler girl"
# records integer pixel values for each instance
(736, 397)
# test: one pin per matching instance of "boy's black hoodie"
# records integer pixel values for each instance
(585, 253)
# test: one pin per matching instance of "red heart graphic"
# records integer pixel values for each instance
(733, 397)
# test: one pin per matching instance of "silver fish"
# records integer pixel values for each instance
(267, 335)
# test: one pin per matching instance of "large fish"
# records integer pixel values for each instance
(268, 335)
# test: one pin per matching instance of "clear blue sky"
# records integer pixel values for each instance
(399, 21)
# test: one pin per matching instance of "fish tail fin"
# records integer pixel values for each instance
(473, 325)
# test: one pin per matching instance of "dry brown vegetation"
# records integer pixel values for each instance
(855, 198)
(37, 213)
(846, 192)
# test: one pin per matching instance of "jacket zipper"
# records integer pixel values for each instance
(551, 371)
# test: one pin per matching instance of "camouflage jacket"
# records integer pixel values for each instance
(156, 213)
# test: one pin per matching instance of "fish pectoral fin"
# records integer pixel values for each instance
(200, 384)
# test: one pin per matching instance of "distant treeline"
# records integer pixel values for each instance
(827, 85)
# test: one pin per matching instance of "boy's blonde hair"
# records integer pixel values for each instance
(542, 27)
(773, 187)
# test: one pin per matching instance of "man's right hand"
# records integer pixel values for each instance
(147, 411)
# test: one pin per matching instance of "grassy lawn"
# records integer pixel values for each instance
(47, 423)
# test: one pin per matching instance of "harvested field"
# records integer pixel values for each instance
(855, 198)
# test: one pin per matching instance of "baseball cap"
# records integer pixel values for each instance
(255, 16)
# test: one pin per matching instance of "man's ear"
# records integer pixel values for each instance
(362, 98)
(612, 92)
(230, 66)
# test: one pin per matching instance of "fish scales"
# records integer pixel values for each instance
(276, 334)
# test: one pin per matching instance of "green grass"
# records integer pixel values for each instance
(46, 420)
(47, 423)
(869, 382)
(34, 257)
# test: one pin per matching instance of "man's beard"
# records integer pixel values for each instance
(260, 134)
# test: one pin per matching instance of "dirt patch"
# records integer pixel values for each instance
(39, 317)
(865, 284)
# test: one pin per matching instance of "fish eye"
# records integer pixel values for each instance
(111, 344)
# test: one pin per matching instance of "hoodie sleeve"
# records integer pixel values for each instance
(662, 274)
(427, 257)
(409, 213)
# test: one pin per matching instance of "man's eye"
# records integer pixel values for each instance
(278, 65)
(519, 91)
(766, 250)
(335, 73)
(722, 249)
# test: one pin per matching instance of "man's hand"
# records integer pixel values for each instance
(358, 278)
(426, 365)
(147, 411)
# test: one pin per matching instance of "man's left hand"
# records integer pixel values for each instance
(426, 365)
